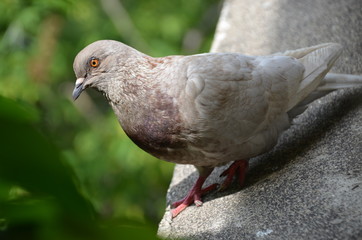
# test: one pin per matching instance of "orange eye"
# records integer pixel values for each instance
(94, 62)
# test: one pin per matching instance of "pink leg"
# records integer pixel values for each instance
(237, 168)
(194, 195)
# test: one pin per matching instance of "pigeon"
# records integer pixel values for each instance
(207, 109)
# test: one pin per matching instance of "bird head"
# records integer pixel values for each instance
(97, 64)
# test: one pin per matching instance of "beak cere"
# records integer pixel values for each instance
(78, 88)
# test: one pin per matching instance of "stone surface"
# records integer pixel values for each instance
(310, 185)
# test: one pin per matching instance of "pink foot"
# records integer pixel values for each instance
(194, 196)
(237, 168)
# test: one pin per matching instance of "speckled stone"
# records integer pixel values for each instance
(310, 185)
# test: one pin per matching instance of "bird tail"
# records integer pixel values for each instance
(330, 83)
(317, 61)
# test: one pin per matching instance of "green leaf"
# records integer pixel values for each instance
(30, 160)
(13, 111)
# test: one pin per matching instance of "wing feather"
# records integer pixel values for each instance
(241, 95)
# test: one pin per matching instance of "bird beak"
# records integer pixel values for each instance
(78, 88)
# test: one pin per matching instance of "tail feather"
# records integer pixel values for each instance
(330, 83)
(334, 81)
(317, 61)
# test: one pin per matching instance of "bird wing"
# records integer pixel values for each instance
(236, 97)
(317, 61)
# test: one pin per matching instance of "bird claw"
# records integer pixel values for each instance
(236, 168)
(176, 211)
(198, 203)
(194, 196)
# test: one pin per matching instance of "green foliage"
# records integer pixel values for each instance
(67, 169)
(53, 208)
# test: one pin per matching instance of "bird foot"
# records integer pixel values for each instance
(236, 168)
(194, 196)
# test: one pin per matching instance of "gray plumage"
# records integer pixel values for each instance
(206, 109)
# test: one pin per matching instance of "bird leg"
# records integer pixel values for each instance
(236, 168)
(194, 195)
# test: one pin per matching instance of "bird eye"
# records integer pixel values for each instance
(94, 62)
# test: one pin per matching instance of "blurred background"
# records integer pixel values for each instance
(66, 165)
